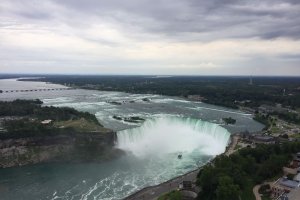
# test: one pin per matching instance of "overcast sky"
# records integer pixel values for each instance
(175, 37)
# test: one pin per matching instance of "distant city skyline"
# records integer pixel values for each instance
(143, 37)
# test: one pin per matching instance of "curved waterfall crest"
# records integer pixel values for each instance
(167, 135)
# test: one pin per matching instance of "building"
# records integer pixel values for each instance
(262, 139)
(289, 183)
(283, 197)
(186, 185)
(269, 109)
(283, 186)
(295, 163)
(250, 81)
(187, 190)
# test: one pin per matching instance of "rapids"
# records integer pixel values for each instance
(172, 126)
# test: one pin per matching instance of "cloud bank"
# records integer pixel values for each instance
(195, 37)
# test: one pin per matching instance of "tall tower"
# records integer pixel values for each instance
(250, 81)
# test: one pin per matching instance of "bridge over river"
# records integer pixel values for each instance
(35, 90)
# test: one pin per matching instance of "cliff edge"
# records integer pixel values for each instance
(31, 133)
(77, 147)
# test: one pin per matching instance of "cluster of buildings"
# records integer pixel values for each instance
(188, 190)
(265, 109)
(288, 187)
(258, 138)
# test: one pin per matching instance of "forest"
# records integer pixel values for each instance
(34, 109)
(234, 176)
(224, 91)
(22, 118)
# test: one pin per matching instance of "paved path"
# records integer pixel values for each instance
(256, 193)
(233, 144)
(256, 188)
(154, 192)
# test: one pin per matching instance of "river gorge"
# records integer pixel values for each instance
(165, 128)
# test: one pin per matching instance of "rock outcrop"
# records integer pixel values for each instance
(73, 147)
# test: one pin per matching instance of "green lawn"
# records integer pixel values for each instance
(275, 129)
(174, 195)
(265, 198)
(80, 125)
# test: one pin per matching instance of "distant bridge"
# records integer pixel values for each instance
(36, 90)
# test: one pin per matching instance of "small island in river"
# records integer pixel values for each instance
(134, 119)
(229, 120)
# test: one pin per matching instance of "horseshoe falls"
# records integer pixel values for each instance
(174, 135)
(172, 126)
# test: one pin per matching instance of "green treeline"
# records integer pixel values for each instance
(229, 120)
(34, 109)
(234, 176)
(24, 128)
(134, 119)
(267, 120)
(19, 107)
(224, 91)
(22, 118)
(288, 116)
(264, 119)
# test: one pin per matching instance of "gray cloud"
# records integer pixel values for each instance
(140, 35)
(183, 20)
(220, 19)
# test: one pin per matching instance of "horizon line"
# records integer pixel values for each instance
(162, 75)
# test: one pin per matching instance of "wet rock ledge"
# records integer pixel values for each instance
(71, 147)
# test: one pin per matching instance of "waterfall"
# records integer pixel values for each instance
(174, 135)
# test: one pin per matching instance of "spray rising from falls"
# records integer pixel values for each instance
(173, 135)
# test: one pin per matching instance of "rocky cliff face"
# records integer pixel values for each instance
(75, 147)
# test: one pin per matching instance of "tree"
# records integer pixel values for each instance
(227, 190)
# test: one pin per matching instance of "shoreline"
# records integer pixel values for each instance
(33, 79)
(172, 183)
(153, 192)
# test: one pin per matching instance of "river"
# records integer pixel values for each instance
(173, 126)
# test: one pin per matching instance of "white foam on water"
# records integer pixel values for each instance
(168, 100)
(169, 135)
(153, 149)
(219, 110)
(81, 105)
(58, 100)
